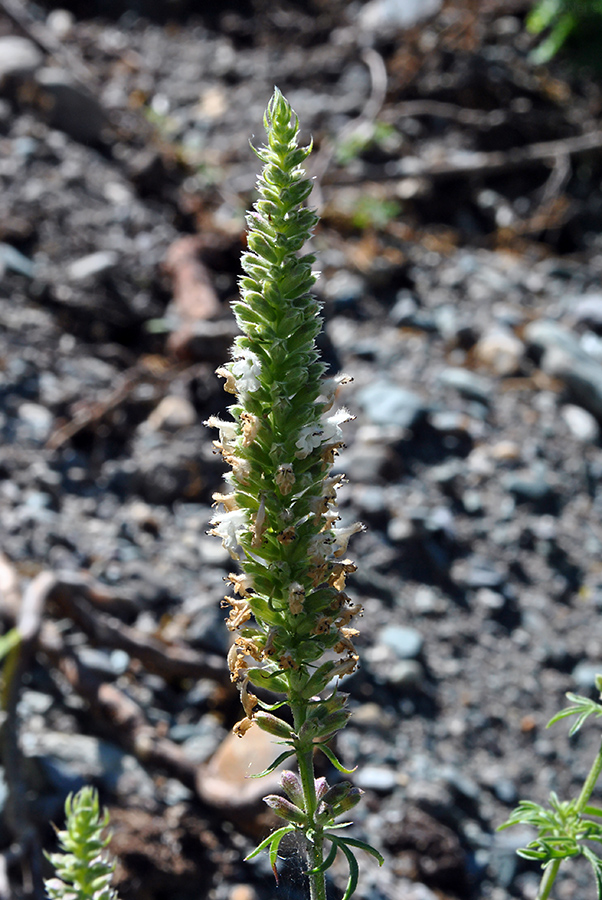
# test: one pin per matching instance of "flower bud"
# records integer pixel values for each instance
(285, 809)
(348, 802)
(292, 787)
(321, 787)
(273, 725)
(337, 793)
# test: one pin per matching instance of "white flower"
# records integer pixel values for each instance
(310, 437)
(342, 536)
(332, 430)
(330, 387)
(247, 372)
(325, 432)
(228, 431)
(229, 526)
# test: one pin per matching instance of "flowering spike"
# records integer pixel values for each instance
(289, 607)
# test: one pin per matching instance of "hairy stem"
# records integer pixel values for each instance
(305, 762)
(317, 882)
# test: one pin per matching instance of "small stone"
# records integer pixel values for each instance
(371, 715)
(18, 56)
(344, 290)
(588, 311)
(448, 421)
(387, 404)
(102, 662)
(505, 451)
(224, 782)
(533, 488)
(38, 419)
(581, 423)
(490, 600)
(407, 314)
(14, 261)
(60, 22)
(475, 573)
(563, 357)
(467, 383)
(376, 778)
(405, 673)
(243, 892)
(92, 265)
(500, 352)
(387, 14)
(585, 674)
(70, 107)
(405, 642)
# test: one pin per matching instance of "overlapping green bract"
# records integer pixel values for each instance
(279, 520)
(82, 871)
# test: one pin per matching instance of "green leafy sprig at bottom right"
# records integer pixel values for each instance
(564, 826)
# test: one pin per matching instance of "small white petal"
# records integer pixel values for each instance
(247, 372)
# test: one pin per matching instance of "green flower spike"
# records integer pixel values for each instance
(82, 871)
(289, 606)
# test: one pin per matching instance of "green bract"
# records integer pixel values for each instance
(280, 521)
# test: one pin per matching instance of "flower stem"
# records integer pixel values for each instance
(590, 782)
(317, 882)
(305, 762)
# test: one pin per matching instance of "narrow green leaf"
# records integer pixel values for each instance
(596, 864)
(531, 854)
(329, 754)
(274, 844)
(280, 759)
(271, 707)
(353, 869)
(267, 841)
(362, 845)
(592, 811)
(9, 641)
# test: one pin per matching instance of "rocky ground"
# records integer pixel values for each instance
(460, 249)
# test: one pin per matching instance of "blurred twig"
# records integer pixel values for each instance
(359, 125)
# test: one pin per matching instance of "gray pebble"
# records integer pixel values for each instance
(70, 107)
(405, 673)
(18, 56)
(376, 778)
(467, 383)
(581, 423)
(563, 357)
(588, 311)
(388, 404)
(405, 642)
(92, 265)
(37, 419)
(585, 673)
